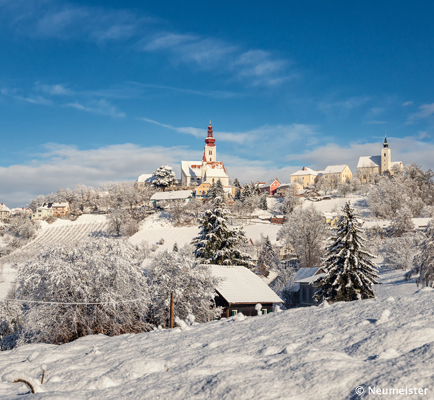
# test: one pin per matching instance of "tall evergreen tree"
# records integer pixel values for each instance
(350, 274)
(268, 258)
(217, 190)
(237, 186)
(246, 192)
(264, 204)
(217, 243)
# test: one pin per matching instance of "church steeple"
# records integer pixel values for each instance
(385, 144)
(210, 141)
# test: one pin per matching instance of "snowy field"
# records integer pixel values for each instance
(306, 353)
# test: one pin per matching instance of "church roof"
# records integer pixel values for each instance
(305, 171)
(369, 162)
(192, 168)
(215, 173)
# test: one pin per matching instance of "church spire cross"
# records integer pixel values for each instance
(385, 141)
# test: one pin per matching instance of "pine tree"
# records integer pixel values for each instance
(217, 243)
(246, 192)
(350, 274)
(217, 190)
(268, 258)
(237, 186)
(264, 204)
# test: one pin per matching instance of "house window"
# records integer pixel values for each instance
(264, 311)
(210, 153)
(234, 312)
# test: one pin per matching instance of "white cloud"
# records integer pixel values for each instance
(407, 103)
(343, 105)
(100, 107)
(425, 111)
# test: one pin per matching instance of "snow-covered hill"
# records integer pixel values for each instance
(306, 353)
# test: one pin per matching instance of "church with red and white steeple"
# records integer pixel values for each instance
(208, 170)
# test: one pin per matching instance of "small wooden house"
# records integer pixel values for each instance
(240, 290)
(305, 286)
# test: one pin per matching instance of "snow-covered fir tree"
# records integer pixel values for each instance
(217, 190)
(268, 259)
(246, 192)
(190, 281)
(264, 205)
(237, 186)
(291, 200)
(164, 177)
(350, 273)
(105, 278)
(217, 243)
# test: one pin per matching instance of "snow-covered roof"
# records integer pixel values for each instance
(311, 279)
(369, 162)
(399, 163)
(192, 168)
(305, 171)
(147, 178)
(60, 205)
(174, 195)
(269, 183)
(303, 273)
(240, 285)
(334, 169)
(3, 207)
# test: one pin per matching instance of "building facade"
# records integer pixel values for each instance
(370, 166)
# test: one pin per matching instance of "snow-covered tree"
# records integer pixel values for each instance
(401, 252)
(21, 226)
(344, 188)
(264, 205)
(402, 222)
(350, 273)
(268, 259)
(10, 323)
(217, 243)
(103, 279)
(164, 177)
(190, 281)
(291, 200)
(424, 263)
(246, 192)
(237, 186)
(305, 231)
(217, 190)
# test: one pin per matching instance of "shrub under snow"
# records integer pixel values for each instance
(105, 278)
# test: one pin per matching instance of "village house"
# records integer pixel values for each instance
(5, 212)
(240, 290)
(203, 191)
(160, 198)
(208, 170)
(283, 189)
(43, 211)
(21, 210)
(336, 173)
(305, 285)
(269, 187)
(370, 166)
(305, 176)
(60, 209)
(144, 180)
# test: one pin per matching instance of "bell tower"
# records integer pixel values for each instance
(210, 149)
(386, 157)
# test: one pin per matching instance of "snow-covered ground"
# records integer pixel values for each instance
(305, 353)
(8, 276)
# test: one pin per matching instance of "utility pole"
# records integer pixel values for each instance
(171, 310)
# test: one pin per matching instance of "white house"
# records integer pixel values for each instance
(5, 212)
(208, 170)
(162, 197)
(145, 180)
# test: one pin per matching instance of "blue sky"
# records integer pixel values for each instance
(96, 91)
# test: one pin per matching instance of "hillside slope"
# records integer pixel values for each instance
(306, 353)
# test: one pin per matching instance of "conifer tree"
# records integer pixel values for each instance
(237, 186)
(246, 192)
(268, 258)
(217, 243)
(217, 190)
(350, 274)
(264, 204)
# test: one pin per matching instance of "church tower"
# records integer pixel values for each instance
(210, 149)
(386, 158)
